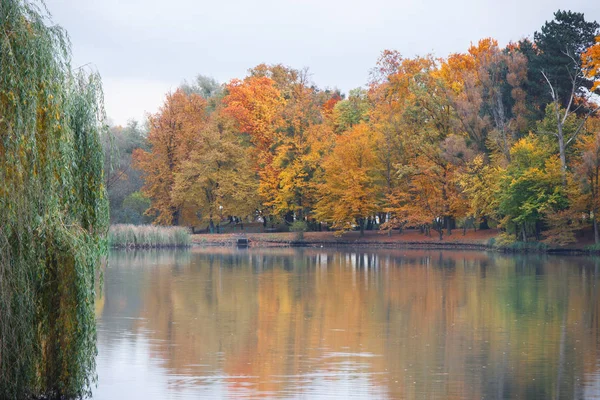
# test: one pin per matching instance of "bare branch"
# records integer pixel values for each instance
(551, 87)
(548, 133)
(582, 124)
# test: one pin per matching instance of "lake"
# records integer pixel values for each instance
(328, 323)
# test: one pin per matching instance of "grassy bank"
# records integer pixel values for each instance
(148, 236)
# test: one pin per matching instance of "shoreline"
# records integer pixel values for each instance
(474, 241)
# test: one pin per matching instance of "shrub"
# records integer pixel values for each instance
(299, 227)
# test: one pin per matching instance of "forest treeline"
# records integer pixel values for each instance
(495, 136)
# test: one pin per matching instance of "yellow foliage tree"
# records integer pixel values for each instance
(217, 180)
(349, 193)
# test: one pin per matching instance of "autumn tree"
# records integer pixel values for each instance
(217, 179)
(329, 105)
(480, 185)
(587, 169)
(437, 150)
(173, 132)
(434, 196)
(298, 145)
(591, 64)
(392, 95)
(486, 90)
(256, 104)
(284, 117)
(349, 193)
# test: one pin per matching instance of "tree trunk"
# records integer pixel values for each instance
(563, 156)
(484, 223)
(523, 233)
(175, 217)
(289, 217)
(595, 207)
(439, 224)
(361, 223)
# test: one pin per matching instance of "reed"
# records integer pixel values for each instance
(148, 236)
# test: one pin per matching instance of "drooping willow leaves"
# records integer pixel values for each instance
(53, 208)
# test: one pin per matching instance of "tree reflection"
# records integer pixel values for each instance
(415, 323)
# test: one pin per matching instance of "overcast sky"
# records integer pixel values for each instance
(144, 48)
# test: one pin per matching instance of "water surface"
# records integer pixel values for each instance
(320, 323)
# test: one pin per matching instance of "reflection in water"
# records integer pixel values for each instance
(289, 323)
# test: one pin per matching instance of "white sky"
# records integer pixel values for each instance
(144, 48)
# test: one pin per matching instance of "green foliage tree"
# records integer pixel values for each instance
(207, 87)
(530, 187)
(53, 209)
(351, 111)
(121, 179)
(133, 209)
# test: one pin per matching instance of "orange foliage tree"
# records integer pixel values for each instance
(283, 115)
(172, 135)
(587, 169)
(591, 63)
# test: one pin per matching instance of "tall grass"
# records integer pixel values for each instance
(148, 236)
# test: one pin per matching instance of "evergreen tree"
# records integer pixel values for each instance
(559, 45)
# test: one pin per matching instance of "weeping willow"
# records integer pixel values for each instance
(53, 209)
